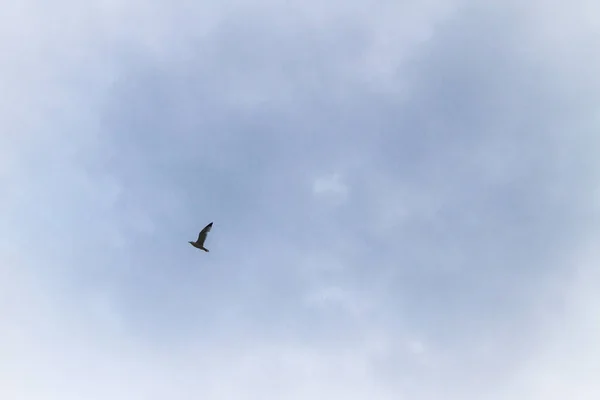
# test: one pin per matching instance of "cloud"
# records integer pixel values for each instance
(460, 263)
(331, 187)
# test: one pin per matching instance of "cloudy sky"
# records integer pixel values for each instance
(404, 195)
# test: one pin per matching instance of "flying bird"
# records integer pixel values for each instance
(199, 243)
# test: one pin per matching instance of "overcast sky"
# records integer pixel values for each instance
(404, 195)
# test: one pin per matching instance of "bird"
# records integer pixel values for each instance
(199, 243)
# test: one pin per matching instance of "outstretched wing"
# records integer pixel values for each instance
(203, 233)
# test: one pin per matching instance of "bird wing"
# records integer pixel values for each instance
(203, 233)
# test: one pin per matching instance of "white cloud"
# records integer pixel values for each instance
(461, 266)
(332, 187)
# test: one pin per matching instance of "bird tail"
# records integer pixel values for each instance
(204, 248)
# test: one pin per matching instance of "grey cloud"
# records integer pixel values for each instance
(469, 164)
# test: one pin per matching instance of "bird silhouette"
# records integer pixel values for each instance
(199, 243)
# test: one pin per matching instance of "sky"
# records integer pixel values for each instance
(404, 194)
